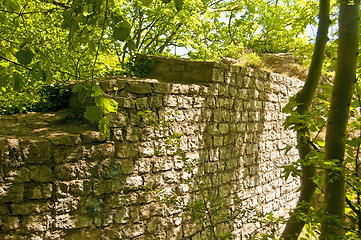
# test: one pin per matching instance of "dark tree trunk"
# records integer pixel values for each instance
(294, 224)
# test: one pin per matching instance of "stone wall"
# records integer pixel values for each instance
(60, 179)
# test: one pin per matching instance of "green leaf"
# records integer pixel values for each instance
(116, 18)
(97, 91)
(104, 126)
(18, 81)
(121, 31)
(108, 105)
(78, 87)
(178, 4)
(83, 95)
(321, 143)
(93, 113)
(12, 5)
(146, 3)
(288, 148)
(38, 72)
(97, 5)
(24, 56)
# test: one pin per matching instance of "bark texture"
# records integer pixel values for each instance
(332, 226)
(294, 224)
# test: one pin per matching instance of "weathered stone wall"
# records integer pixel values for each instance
(62, 180)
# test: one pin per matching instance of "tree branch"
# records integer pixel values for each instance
(15, 63)
(57, 3)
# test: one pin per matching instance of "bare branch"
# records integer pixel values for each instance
(15, 63)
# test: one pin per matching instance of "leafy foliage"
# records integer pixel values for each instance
(315, 120)
(99, 112)
(51, 42)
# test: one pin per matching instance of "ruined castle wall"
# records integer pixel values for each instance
(62, 180)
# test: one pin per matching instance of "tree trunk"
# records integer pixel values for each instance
(294, 224)
(332, 226)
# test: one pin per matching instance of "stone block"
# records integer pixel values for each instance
(144, 165)
(11, 152)
(65, 205)
(134, 230)
(126, 165)
(36, 223)
(218, 141)
(83, 234)
(223, 90)
(212, 129)
(218, 75)
(103, 219)
(220, 102)
(29, 207)
(103, 187)
(11, 192)
(101, 151)
(114, 200)
(211, 167)
(82, 221)
(66, 171)
(80, 187)
(133, 183)
(127, 150)
(39, 191)
(153, 181)
(40, 173)
(147, 149)
(223, 128)
(92, 137)
(139, 87)
(162, 164)
(3, 209)
(142, 103)
(36, 150)
(18, 175)
(161, 87)
(112, 85)
(156, 101)
(63, 139)
(121, 216)
(116, 134)
(132, 134)
(125, 102)
(10, 223)
(171, 101)
(119, 119)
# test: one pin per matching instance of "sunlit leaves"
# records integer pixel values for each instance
(99, 110)
(104, 126)
(108, 105)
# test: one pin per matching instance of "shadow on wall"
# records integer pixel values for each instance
(70, 183)
(231, 152)
(224, 120)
